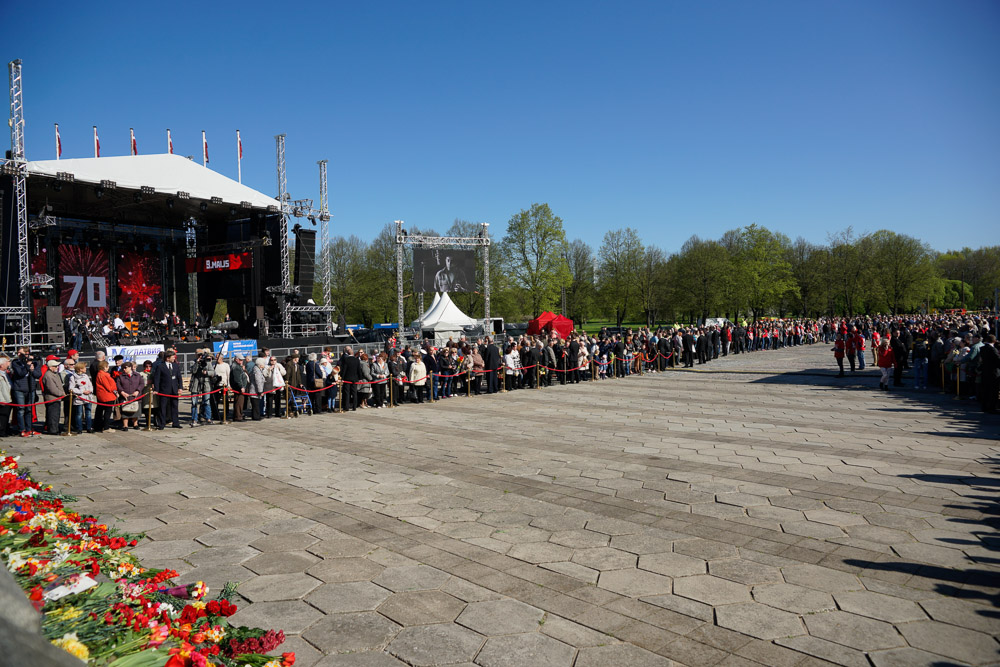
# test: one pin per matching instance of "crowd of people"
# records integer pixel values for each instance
(118, 393)
(954, 353)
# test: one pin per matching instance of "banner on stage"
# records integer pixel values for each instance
(83, 280)
(233, 347)
(137, 354)
(230, 262)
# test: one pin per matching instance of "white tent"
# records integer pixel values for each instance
(423, 316)
(165, 173)
(446, 316)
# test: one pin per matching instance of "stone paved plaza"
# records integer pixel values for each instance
(762, 512)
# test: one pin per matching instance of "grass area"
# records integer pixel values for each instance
(595, 325)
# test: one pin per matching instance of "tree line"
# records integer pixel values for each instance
(749, 272)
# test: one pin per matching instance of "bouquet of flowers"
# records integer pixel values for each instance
(99, 604)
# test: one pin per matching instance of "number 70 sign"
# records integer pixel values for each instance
(94, 291)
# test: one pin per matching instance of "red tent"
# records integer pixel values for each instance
(561, 325)
(537, 325)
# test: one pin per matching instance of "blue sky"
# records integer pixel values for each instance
(675, 118)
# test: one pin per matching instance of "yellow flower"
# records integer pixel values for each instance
(73, 646)
(272, 663)
(198, 604)
(66, 614)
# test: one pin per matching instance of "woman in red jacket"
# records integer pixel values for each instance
(886, 360)
(107, 392)
(838, 352)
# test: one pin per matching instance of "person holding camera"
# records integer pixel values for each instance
(202, 378)
(24, 375)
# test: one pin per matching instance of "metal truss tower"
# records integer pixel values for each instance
(324, 235)
(17, 167)
(285, 290)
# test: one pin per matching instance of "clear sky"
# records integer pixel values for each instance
(674, 118)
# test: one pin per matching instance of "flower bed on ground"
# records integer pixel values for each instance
(99, 604)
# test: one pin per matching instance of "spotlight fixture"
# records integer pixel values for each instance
(109, 185)
(183, 195)
(65, 176)
(245, 204)
(325, 217)
(147, 190)
(272, 208)
(312, 219)
(216, 200)
(203, 206)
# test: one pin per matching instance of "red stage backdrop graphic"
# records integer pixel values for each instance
(83, 280)
(139, 282)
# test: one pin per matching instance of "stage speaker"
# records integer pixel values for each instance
(56, 338)
(217, 338)
(53, 318)
(305, 258)
(171, 340)
(233, 336)
(145, 340)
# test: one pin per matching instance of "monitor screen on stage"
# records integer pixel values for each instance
(139, 285)
(83, 280)
(444, 270)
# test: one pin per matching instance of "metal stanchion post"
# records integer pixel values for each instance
(340, 383)
(468, 384)
(958, 382)
(391, 382)
(69, 420)
(942, 379)
(225, 400)
(593, 370)
(149, 411)
(430, 386)
(286, 403)
(538, 377)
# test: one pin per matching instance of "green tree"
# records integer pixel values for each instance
(766, 273)
(902, 270)
(581, 291)
(534, 252)
(699, 267)
(652, 283)
(619, 261)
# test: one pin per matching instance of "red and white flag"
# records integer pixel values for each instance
(97, 144)
(239, 157)
(58, 143)
(170, 143)
(135, 146)
(204, 147)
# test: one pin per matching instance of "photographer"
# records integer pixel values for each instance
(202, 373)
(25, 373)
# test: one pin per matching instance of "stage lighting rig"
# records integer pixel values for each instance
(109, 185)
(216, 200)
(147, 191)
(65, 176)
(183, 195)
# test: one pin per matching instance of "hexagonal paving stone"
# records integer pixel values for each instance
(614, 527)
(361, 631)
(793, 598)
(574, 570)
(634, 583)
(711, 590)
(540, 552)
(604, 558)
(882, 607)
(411, 578)
(758, 620)
(427, 645)
(341, 547)
(289, 615)
(500, 617)
(286, 542)
(821, 578)
(620, 654)
(672, 565)
(527, 649)
(353, 596)
(835, 518)
(579, 539)
(339, 570)
(705, 549)
(273, 587)
(970, 646)
(644, 543)
(421, 608)
(221, 556)
(230, 537)
(852, 630)
(166, 549)
(745, 571)
(281, 563)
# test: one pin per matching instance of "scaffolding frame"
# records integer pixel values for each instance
(481, 241)
(17, 167)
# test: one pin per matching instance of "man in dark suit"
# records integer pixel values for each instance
(167, 380)
(619, 351)
(350, 373)
(574, 360)
(534, 359)
(492, 361)
(687, 340)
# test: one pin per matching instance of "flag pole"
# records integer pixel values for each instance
(58, 146)
(170, 143)
(97, 144)
(204, 149)
(132, 148)
(239, 158)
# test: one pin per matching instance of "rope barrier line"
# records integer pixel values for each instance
(31, 405)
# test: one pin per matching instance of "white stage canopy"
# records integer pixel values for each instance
(446, 316)
(166, 174)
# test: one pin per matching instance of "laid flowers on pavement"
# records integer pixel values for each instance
(97, 601)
